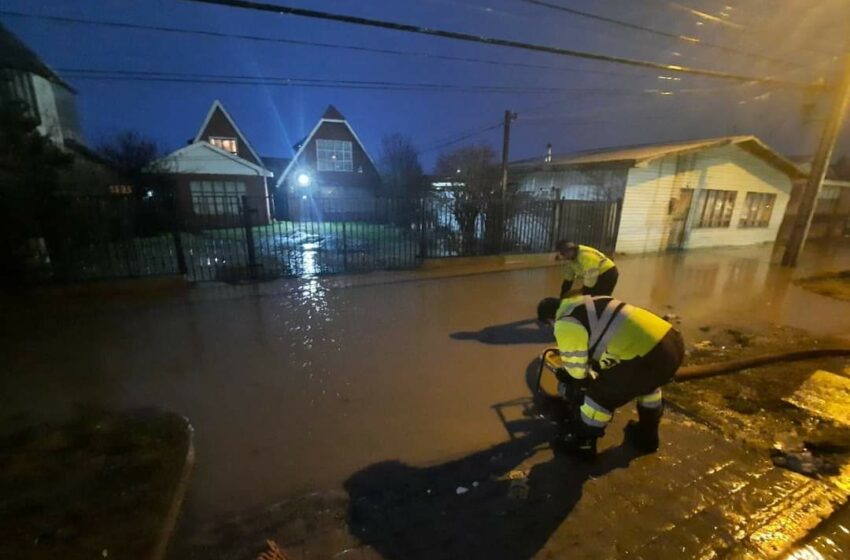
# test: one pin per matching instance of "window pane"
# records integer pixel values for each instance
(715, 208)
(333, 155)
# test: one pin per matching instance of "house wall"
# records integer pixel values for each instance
(574, 184)
(218, 125)
(832, 211)
(340, 183)
(255, 190)
(645, 225)
(45, 96)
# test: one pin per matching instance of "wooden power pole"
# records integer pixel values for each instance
(506, 146)
(820, 165)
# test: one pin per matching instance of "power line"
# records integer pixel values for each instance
(636, 27)
(287, 81)
(461, 138)
(341, 46)
(368, 22)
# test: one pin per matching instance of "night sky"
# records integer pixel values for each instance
(606, 106)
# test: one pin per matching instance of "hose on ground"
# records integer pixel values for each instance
(689, 373)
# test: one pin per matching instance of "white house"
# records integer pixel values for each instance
(701, 193)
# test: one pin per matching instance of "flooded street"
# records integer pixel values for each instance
(295, 385)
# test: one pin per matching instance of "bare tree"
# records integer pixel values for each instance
(133, 156)
(474, 171)
(137, 160)
(401, 171)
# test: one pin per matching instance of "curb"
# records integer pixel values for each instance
(169, 524)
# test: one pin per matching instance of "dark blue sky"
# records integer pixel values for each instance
(275, 117)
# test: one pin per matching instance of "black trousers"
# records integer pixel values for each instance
(604, 286)
(641, 376)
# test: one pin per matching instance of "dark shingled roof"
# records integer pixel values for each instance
(333, 113)
(15, 54)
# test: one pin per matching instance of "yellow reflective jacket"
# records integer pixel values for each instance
(600, 332)
(587, 266)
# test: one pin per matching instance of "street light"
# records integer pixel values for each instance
(303, 180)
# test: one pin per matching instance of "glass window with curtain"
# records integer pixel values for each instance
(758, 208)
(714, 209)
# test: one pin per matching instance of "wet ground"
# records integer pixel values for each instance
(295, 385)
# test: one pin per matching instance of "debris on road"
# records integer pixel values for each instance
(704, 345)
(671, 318)
(803, 462)
(461, 490)
(518, 489)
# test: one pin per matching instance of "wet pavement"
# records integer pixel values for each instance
(296, 385)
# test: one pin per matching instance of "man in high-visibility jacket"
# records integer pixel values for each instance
(596, 273)
(616, 352)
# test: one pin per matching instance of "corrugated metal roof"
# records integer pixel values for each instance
(15, 54)
(644, 153)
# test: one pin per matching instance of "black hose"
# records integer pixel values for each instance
(689, 373)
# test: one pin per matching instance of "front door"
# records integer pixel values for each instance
(679, 209)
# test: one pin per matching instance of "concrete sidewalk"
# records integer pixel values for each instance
(700, 496)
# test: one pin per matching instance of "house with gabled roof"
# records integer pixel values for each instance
(675, 195)
(217, 173)
(330, 164)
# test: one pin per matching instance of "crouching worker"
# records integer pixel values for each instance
(615, 352)
(590, 270)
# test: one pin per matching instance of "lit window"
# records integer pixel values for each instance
(333, 155)
(714, 209)
(217, 198)
(226, 144)
(758, 208)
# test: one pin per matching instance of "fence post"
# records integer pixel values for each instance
(177, 237)
(618, 210)
(423, 242)
(556, 223)
(249, 237)
(344, 247)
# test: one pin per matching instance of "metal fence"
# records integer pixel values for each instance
(230, 238)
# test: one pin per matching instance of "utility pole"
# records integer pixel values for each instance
(820, 165)
(506, 145)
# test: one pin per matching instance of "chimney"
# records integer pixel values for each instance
(548, 153)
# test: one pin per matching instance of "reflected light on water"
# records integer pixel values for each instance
(806, 553)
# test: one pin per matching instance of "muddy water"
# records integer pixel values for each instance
(830, 541)
(296, 385)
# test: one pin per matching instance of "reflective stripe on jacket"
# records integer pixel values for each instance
(602, 332)
(587, 266)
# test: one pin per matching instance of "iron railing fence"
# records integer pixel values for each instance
(231, 237)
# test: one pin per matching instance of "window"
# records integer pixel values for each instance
(16, 85)
(333, 155)
(714, 209)
(758, 208)
(226, 144)
(217, 198)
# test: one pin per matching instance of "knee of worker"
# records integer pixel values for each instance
(595, 415)
(651, 401)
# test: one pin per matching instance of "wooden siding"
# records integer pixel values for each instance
(645, 224)
(219, 126)
(575, 184)
(363, 178)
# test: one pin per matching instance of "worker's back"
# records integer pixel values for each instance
(616, 330)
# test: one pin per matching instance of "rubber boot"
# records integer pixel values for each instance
(579, 440)
(643, 434)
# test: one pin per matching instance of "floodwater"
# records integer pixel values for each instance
(295, 385)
